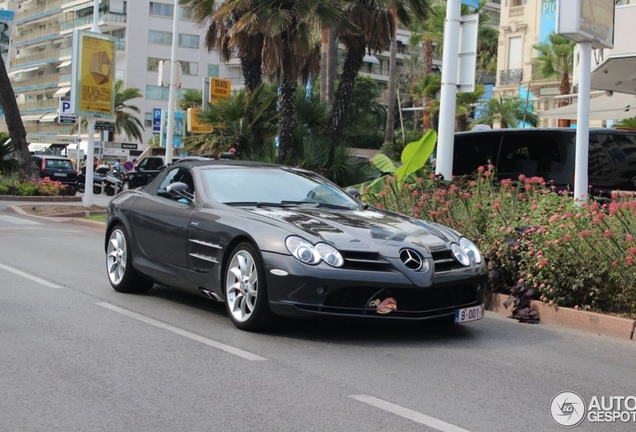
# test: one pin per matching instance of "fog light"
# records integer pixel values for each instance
(321, 290)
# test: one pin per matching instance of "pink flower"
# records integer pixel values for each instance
(414, 193)
(522, 177)
(629, 238)
(607, 233)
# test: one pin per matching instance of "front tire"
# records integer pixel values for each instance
(121, 274)
(245, 288)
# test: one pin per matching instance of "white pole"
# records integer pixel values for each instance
(172, 88)
(90, 151)
(448, 96)
(401, 117)
(583, 124)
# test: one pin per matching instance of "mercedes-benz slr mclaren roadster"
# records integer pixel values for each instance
(275, 240)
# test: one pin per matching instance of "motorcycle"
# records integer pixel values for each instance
(98, 180)
(113, 182)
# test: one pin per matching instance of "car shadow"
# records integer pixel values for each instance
(484, 334)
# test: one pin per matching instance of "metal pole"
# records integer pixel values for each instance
(172, 88)
(583, 124)
(90, 151)
(401, 117)
(448, 96)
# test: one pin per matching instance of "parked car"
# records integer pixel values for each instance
(550, 153)
(144, 172)
(56, 168)
(275, 240)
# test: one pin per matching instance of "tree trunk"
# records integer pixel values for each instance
(564, 89)
(390, 111)
(332, 65)
(252, 72)
(342, 101)
(427, 54)
(324, 55)
(14, 124)
(287, 111)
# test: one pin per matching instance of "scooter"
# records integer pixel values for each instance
(98, 180)
(112, 182)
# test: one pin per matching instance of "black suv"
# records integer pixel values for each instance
(147, 169)
(550, 153)
(56, 168)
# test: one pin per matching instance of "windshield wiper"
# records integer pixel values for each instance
(317, 204)
(257, 204)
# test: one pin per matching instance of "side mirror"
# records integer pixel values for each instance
(179, 190)
(353, 192)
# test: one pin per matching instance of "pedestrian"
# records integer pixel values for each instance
(116, 166)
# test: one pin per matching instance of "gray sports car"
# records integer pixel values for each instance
(276, 240)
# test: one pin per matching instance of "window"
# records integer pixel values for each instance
(213, 70)
(161, 10)
(159, 37)
(515, 52)
(185, 14)
(153, 64)
(156, 92)
(531, 155)
(176, 175)
(189, 41)
(190, 68)
(148, 119)
(473, 150)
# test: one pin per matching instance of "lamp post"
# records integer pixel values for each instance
(172, 88)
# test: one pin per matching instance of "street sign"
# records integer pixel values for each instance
(220, 88)
(65, 108)
(54, 139)
(105, 126)
(194, 125)
(129, 146)
(156, 121)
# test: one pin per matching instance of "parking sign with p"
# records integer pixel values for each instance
(65, 115)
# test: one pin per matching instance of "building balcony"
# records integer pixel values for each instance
(108, 21)
(41, 11)
(50, 128)
(46, 104)
(510, 77)
(37, 83)
(47, 56)
(25, 37)
(516, 11)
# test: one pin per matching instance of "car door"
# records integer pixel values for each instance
(161, 222)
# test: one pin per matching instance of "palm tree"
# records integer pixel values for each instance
(291, 49)
(243, 121)
(556, 59)
(125, 121)
(626, 123)
(224, 38)
(508, 111)
(375, 23)
(7, 164)
(191, 98)
(14, 123)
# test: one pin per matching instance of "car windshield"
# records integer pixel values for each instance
(269, 186)
(59, 163)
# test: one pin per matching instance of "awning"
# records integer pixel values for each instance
(370, 59)
(38, 147)
(15, 72)
(61, 91)
(31, 117)
(48, 117)
(616, 107)
(616, 73)
(64, 63)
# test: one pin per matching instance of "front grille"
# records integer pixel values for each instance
(369, 261)
(444, 261)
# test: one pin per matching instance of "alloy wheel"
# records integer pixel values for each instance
(241, 285)
(116, 256)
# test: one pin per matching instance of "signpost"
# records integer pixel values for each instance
(65, 108)
(220, 88)
(591, 24)
(156, 121)
(194, 125)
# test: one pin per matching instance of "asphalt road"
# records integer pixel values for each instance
(77, 356)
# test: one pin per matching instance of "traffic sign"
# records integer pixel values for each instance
(220, 88)
(104, 126)
(65, 108)
(194, 125)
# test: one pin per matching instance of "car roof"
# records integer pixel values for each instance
(189, 163)
(52, 157)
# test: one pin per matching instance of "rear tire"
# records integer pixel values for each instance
(121, 274)
(245, 288)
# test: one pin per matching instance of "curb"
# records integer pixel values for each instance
(69, 218)
(41, 198)
(592, 322)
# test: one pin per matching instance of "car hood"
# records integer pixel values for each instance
(370, 229)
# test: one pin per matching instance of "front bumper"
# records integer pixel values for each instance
(321, 290)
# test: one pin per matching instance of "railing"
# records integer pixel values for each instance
(45, 79)
(43, 104)
(49, 6)
(510, 77)
(516, 11)
(120, 44)
(36, 33)
(50, 128)
(87, 20)
(51, 55)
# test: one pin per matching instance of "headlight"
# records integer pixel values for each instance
(471, 250)
(460, 255)
(305, 252)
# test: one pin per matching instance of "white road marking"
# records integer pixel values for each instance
(409, 414)
(30, 277)
(18, 221)
(218, 345)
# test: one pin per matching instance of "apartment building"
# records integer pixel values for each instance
(40, 65)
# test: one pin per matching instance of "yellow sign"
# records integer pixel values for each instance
(220, 88)
(93, 88)
(194, 124)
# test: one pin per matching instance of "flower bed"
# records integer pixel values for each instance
(533, 237)
(43, 187)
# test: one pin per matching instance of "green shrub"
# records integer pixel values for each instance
(570, 256)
